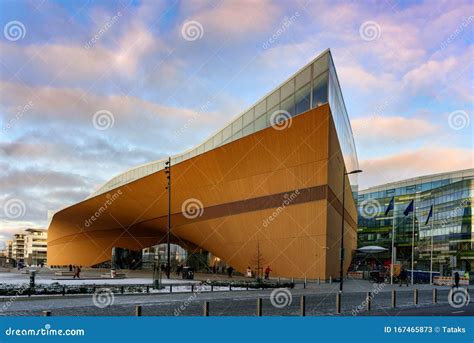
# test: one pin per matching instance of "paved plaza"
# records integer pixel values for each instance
(320, 298)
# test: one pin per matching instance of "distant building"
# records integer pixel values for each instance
(30, 247)
(9, 249)
(36, 242)
(18, 247)
(448, 235)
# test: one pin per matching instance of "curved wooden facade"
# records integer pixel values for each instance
(278, 189)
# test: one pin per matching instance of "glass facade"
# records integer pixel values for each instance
(447, 236)
(312, 86)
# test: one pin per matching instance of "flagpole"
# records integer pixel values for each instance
(393, 245)
(413, 242)
(431, 253)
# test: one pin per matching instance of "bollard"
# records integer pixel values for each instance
(415, 296)
(148, 289)
(64, 290)
(47, 313)
(338, 303)
(304, 284)
(303, 306)
(138, 311)
(319, 281)
(230, 287)
(247, 286)
(171, 288)
(278, 279)
(122, 289)
(369, 301)
(93, 289)
(192, 288)
(292, 280)
(206, 309)
(330, 280)
(212, 288)
(259, 307)
(435, 295)
(394, 298)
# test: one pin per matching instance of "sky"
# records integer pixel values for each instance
(89, 89)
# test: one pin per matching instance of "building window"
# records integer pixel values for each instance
(320, 90)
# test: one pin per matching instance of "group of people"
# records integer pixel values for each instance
(77, 271)
(249, 273)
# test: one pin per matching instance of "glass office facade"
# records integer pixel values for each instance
(312, 86)
(447, 236)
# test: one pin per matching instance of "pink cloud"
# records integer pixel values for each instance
(407, 164)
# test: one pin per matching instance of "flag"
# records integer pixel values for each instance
(409, 208)
(429, 215)
(391, 206)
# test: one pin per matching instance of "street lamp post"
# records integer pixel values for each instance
(341, 256)
(168, 236)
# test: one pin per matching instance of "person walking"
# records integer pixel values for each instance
(249, 272)
(229, 271)
(456, 279)
(267, 272)
(77, 272)
(403, 277)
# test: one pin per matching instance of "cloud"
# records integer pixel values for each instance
(391, 130)
(407, 164)
(233, 18)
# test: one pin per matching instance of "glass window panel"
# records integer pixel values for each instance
(227, 132)
(288, 89)
(237, 125)
(289, 105)
(260, 109)
(274, 99)
(303, 78)
(208, 145)
(260, 123)
(237, 135)
(320, 91)
(248, 117)
(218, 139)
(248, 130)
(303, 99)
(320, 66)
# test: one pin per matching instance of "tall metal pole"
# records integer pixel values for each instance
(341, 257)
(413, 242)
(393, 244)
(168, 241)
(431, 252)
